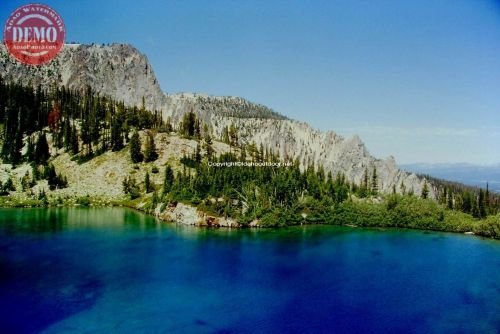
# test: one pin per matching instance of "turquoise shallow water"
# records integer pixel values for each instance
(119, 271)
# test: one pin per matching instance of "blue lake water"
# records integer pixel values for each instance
(119, 271)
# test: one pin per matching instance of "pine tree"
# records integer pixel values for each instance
(74, 145)
(135, 148)
(208, 145)
(374, 182)
(9, 185)
(467, 202)
(487, 198)
(148, 187)
(444, 196)
(67, 135)
(150, 153)
(154, 199)
(116, 136)
(481, 204)
(30, 151)
(365, 179)
(86, 135)
(425, 190)
(197, 129)
(450, 200)
(364, 186)
(35, 172)
(197, 154)
(188, 124)
(51, 176)
(233, 135)
(42, 154)
(169, 179)
(14, 126)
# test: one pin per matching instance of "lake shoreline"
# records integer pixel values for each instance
(213, 222)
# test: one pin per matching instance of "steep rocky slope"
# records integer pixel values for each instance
(122, 72)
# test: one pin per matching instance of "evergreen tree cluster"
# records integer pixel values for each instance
(476, 201)
(131, 188)
(7, 187)
(55, 180)
(82, 122)
(190, 126)
(369, 184)
(248, 193)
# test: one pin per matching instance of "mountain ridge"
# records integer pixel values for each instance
(121, 71)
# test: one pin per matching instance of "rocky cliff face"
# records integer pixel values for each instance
(298, 140)
(122, 72)
(116, 70)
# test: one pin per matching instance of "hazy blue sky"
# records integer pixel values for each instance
(416, 79)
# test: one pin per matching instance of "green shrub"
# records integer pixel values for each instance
(83, 201)
(489, 227)
(415, 212)
(360, 214)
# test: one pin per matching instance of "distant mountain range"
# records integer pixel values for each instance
(474, 175)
